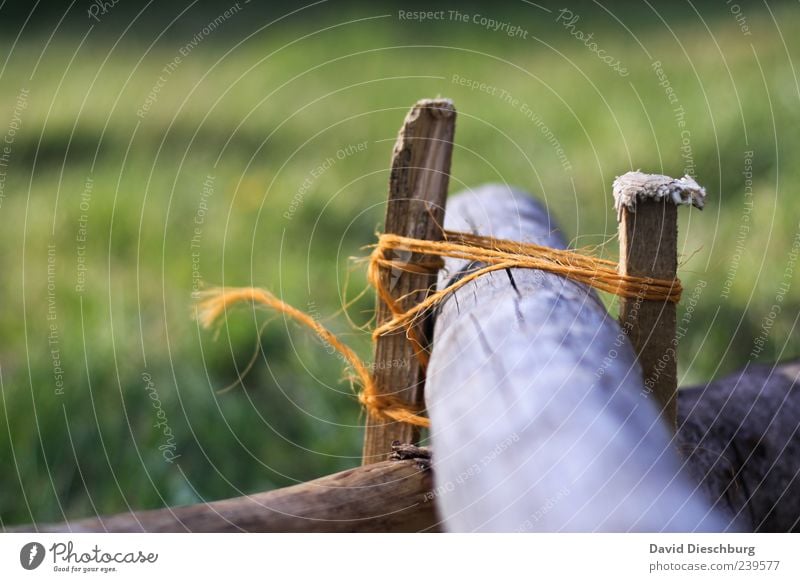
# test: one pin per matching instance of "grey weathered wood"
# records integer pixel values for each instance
(648, 247)
(539, 420)
(389, 496)
(741, 438)
(418, 183)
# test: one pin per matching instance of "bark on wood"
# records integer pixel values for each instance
(417, 192)
(392, 496)
(741, 439)
(648, 242)
(538, 417)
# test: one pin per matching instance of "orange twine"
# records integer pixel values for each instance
(496, 254)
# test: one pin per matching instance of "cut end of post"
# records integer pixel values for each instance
(440, 107)
(634, 186)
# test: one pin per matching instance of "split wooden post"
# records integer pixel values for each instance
(418, 183)
(647, 207)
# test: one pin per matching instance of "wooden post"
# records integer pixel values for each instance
(418, 183)
(534, 395)
(648, 240)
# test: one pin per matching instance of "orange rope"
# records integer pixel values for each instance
(214, 303)
(496, 254)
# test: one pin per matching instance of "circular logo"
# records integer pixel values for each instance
(31, 555)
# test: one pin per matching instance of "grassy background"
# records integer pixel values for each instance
(259, 107)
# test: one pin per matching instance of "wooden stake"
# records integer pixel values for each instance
(417, 192)
(648, 238)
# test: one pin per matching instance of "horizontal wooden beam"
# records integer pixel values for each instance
(391, 496)
(536, 401)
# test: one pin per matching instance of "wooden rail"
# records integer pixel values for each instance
(536, 400)
(393, 495)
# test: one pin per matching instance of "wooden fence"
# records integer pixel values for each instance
(546, 413)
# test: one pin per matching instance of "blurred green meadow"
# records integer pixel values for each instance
(147, 156)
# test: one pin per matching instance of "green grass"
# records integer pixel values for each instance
(260, 117)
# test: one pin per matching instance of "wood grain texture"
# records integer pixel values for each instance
(539, 421)
(392, 496)
(741, 438)
(648, 243)
(418, 184)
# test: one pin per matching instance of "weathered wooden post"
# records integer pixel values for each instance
(418, 183)
(647, 207)
(534, 395)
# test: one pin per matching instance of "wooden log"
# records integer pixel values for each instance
(741, 439)
(418, 183)
(648, 247)
(539, 420)
(392, 496)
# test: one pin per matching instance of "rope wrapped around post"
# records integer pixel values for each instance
(495, 254)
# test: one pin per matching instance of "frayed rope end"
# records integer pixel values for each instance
(214, 303)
